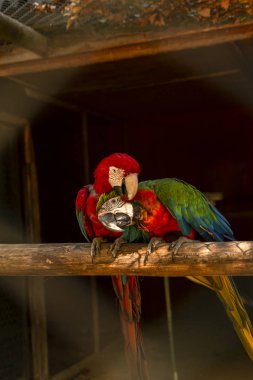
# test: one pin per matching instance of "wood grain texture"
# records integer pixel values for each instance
(35, 285)
(130, 47)
(230, 258)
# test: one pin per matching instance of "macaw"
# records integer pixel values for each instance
(118, 171)
(170, 206)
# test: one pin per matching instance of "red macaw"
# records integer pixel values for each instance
(168, 206)
(120, 172)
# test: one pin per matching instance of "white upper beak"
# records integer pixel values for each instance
(131, 182)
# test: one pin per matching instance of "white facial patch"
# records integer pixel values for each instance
(126, 208)
(116, 176)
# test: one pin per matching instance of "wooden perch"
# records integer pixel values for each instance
(22, 35)
(230, 258)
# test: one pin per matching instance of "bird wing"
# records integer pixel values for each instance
(82, 217)
(191, 209)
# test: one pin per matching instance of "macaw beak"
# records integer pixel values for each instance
(114, 222)
(128, 187)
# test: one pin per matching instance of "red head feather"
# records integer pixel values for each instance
(120, 161)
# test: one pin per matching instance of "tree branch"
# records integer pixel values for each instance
(230, 258)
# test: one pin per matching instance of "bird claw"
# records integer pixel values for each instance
(96, 247)
(152, 245)
(114, 248)
(175, 245)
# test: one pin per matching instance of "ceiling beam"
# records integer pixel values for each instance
(147, 45)
(37, 95)
(12, 120)
(151, 82)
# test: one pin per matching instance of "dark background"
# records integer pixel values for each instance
(197, 130)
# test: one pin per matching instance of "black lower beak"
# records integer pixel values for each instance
(122, 219)
(108, 218)
(121, 190)
(118, 190)
(119, 219)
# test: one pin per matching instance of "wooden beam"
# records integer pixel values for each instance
(230, 258)
(13, 120)
(22, 35)
(149, 82)
(37, 312)
(130, 47)
(38, 95)
(35, 286)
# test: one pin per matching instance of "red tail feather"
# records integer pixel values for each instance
(128, 293)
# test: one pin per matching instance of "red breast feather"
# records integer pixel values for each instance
(157, 219)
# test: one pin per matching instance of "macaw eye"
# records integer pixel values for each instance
(114, 170)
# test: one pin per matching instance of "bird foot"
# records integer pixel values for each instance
(175, 245)
(152, 245)
(96, 246)
(114, 248)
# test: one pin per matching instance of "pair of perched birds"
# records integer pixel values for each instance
(117, 206)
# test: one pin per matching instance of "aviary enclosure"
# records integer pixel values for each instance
(169, 82)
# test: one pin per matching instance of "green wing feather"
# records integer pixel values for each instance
(190, 208)
(79, 216)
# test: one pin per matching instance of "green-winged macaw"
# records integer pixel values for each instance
(171, 206)
(118, 171)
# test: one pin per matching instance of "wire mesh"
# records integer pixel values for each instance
(124, 16)
(41, 15)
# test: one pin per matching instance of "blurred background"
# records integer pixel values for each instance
(186, 114)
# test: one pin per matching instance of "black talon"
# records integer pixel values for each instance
(116, 246)
(175, 245)
(95, 247)
(153, 243)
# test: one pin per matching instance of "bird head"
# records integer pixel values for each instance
(119, 172)
(114, 213)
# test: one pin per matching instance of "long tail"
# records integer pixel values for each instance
(128, 293)
(228, 294)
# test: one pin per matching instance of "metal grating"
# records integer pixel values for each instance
(83, 19)
(117, 16)
(31, 13)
